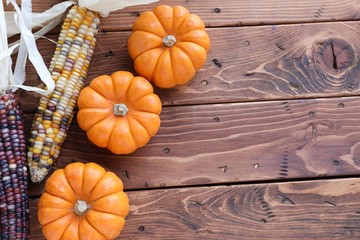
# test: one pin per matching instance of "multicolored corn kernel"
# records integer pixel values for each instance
(68, 68)
(14, 208)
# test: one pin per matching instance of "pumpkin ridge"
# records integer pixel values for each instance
(187, 19)
(192, 63)
(57, 219)
(184, 20)
(110, 116)
(102, 83)
(192, 43)
(133, 110)
(107, 212)
(156, 65)
(98, 107)
(90, 90)
(162, 25)
(134, 119)
(91, 192)
(87, 220)
(125, 95)
(106, 197)
(149, 49)
(51, 191)
(105, 97)
(133, 133)
(144, 92)
(52, 195)
(65, 229)
(98, 121)
(158, 60)
(173, 62)
(179, 46)
(75, 193)
(94, 184)
(143, 112)
(113, 129)
(148, 32)
(141, 123)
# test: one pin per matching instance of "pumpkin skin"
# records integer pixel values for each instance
(168, 45)
(61, 214)
(119, 112)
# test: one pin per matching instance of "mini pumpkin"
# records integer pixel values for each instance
(83, 201)
(168, 45)
(119, 112)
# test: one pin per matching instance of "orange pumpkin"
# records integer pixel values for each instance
(119, 112)
(83, 201)
(168, 45)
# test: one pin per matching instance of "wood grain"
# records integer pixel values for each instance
(247, 64)
(277, 100)
(224, 143)
(299, 210)
(237, 13)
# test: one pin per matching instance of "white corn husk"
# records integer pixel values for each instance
(24, 21)
(54, 15)
(27, 48)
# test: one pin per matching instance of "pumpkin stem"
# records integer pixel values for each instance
(120, 109)
(80, 207)
(169, 40)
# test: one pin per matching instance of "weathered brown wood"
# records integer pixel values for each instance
(248, 64)
(238, 13)
(299, 210)
(224, 143)
(251, 114)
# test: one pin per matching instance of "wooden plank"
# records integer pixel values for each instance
(224, 143)
(248, 64)
(237, 13)
(298, 210)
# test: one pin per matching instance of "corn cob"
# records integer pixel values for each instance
(68, 68)
(14, 209)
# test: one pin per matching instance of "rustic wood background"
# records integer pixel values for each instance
(263, 143)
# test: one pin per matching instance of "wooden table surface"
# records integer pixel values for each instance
(263, 143)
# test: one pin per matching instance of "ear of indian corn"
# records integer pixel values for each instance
(68, 68)
(14, 209)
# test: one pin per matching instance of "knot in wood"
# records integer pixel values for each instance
(334, 56)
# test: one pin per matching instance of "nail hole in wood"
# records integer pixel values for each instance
(247, 43)
(109, 54)
(216, 119)
(217, 10)
(141, 229)
(136, 14)
(336, 162)
(256, 165)
(166, 150)
(126, 174)
(311, 114)
(341, 105)
(217, 63)
(223, 168)
(204, 82)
